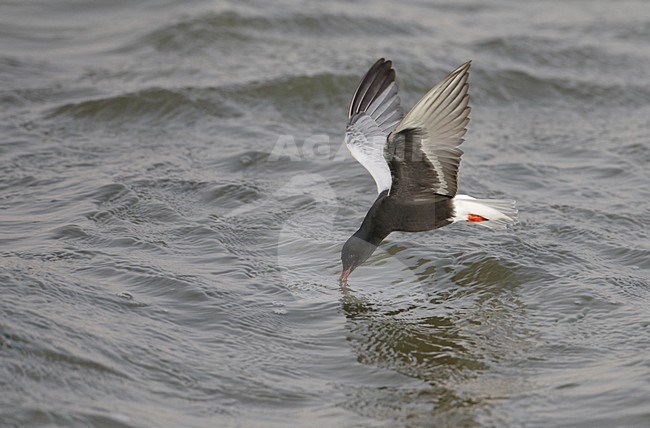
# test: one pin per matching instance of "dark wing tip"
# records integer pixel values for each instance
(375, 81)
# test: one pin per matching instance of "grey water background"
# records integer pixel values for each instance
(173, 200)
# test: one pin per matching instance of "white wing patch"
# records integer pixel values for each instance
(366, 134)
(366, 141)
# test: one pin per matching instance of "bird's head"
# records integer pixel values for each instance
(355, 251)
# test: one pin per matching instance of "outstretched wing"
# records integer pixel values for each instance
(423, 150)
(374, 112)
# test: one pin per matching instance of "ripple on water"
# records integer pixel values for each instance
(523, 84)
(231, 29)
(150, 106)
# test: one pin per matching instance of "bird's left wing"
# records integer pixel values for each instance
(432, 132)
(374, 112)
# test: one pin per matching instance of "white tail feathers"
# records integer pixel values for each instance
(492, 213)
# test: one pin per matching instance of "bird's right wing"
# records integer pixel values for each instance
(374, 112)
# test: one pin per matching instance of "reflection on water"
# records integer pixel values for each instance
(474, 326)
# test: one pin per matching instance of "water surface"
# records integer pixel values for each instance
(173, 200)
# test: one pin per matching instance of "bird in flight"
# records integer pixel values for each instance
(414, 161)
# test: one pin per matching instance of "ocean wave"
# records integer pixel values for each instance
(154, 105)
(230, 29)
